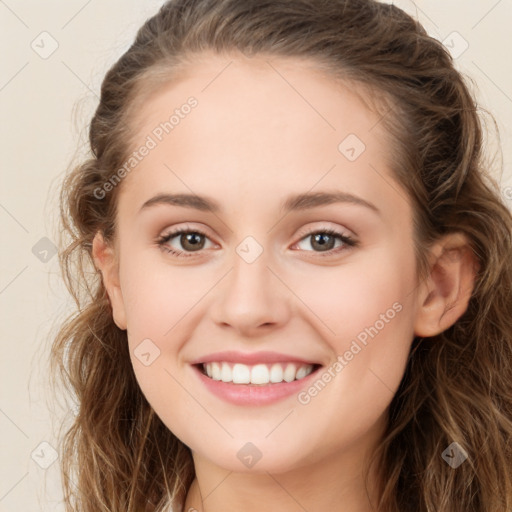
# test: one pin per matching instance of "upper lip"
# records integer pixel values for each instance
(251, 358)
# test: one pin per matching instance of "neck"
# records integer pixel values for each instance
(334, 483)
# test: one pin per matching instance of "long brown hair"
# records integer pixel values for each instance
(118, 455)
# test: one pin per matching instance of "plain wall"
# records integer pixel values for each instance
(46, 102)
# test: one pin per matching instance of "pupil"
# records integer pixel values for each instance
(322, 244)
(189, 239)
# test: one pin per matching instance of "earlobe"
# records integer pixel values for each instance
(106, 261)
(444, 295)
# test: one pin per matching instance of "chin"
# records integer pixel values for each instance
(257, 456)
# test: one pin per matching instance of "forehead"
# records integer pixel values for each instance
(267, 91)
(259, 127)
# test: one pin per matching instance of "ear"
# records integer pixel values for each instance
(106, 261)
(445, 294)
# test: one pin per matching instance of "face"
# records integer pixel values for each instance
(266, 265)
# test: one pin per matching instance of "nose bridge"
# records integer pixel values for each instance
(251, 295)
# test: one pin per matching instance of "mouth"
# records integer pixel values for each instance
(260, 374)
(256, 378)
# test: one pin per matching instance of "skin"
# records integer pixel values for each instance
(252, 141)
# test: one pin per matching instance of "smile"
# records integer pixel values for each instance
(258, 374)
(254, 379)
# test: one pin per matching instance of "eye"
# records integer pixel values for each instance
(325, 240)
(191, 240)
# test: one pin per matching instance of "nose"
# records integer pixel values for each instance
(251, 299)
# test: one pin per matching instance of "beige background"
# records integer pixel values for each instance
(46, 102)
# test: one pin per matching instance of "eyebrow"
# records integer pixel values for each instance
(296, 202)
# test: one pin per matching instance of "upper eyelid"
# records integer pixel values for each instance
(342, 231)
(184, 228)
(302, 232)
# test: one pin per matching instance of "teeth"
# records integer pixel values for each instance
(258, 374)
(276, 373)
(241, 374)
(215, 371)
(226, 375)
(301, 373)
(289, 373)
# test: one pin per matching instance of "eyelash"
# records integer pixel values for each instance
(162, 240)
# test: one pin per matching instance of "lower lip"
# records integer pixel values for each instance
(251, 394)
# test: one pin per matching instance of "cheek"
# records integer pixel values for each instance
(366, 291)
(157, 297)
(162, 303)
(371, 316)
(157, 301)
(365, 312)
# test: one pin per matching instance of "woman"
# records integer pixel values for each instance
(342, 338)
